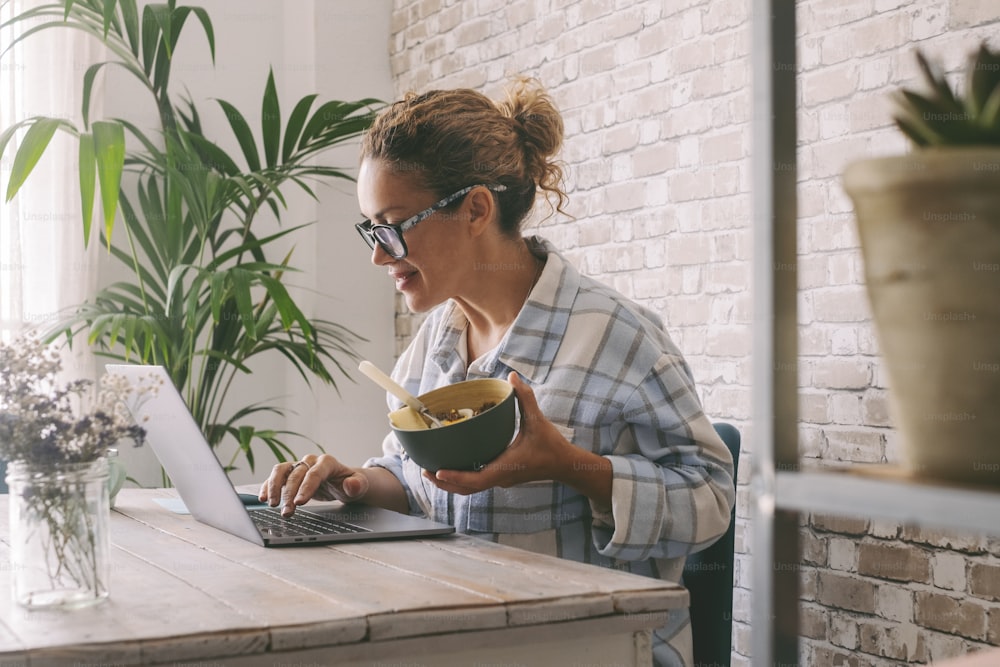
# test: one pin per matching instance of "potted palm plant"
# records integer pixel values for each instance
(929, 226)
(207, 288)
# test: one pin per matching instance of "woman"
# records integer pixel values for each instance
(614, 462)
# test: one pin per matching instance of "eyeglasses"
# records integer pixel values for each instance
(390, 237)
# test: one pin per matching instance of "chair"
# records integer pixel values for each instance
(708, 576)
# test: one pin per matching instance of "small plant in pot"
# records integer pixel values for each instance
(929, 227)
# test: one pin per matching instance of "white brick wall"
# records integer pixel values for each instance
(656, 99)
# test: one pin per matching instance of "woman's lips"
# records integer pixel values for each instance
(402, 278)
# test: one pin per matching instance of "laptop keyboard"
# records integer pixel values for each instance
(301, 524)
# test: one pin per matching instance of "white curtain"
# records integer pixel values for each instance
(45, 267)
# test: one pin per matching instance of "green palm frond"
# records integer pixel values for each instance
(207, 291)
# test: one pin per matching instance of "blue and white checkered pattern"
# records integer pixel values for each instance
(608, 376)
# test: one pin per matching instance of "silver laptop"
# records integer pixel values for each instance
(209, 495)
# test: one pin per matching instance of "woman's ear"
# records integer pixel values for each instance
(481, 208)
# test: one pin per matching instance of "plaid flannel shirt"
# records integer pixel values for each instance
(608, 376)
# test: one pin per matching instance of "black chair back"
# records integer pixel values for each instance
(708, 576)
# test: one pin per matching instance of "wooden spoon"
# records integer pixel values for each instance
(390, 385)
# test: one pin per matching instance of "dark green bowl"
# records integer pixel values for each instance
(468, 444)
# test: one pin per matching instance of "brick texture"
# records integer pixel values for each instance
(656, 98)
(952, 615)
(984, 581)
(901, 562)
(846, 592)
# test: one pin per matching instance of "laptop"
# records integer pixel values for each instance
(209, 495)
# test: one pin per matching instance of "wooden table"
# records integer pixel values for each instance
(184, 592)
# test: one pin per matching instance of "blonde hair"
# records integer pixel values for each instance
(450, 139)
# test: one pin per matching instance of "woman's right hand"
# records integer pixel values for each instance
(321, 477)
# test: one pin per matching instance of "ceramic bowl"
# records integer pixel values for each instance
(468, 444)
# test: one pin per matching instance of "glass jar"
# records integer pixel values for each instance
(59, 534)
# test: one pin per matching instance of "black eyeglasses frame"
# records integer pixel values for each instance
(390, 237)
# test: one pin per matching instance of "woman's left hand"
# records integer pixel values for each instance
(538, 452)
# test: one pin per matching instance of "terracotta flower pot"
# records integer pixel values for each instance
(929, 225)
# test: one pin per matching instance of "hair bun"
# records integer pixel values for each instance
(540, 126)
(534, 113)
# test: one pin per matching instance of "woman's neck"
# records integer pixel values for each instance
(500, 293)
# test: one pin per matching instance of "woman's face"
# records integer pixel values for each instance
(430, 272)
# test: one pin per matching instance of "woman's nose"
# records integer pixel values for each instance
(379, 256)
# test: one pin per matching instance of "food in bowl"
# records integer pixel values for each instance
(452, 416)
(409, 419)
(457, 415)
(477, 425)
